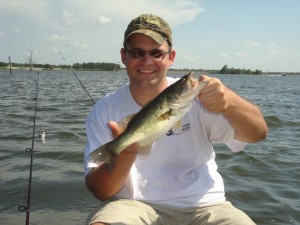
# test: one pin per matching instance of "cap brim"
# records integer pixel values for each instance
(158, 38)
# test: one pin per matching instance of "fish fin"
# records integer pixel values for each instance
(177, 126)
(124, 122)
(103, 154)
(145, 151)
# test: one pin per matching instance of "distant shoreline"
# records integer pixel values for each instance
(180, 70)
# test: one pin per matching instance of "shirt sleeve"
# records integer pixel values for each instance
(220, 131)
(97, 134)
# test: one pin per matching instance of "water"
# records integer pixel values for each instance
(264, 181)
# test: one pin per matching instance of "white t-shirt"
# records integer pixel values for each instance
(181, 170)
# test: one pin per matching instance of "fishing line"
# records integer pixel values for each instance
(77, 77)
(26, 207)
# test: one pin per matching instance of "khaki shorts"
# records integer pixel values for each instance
(132, 212)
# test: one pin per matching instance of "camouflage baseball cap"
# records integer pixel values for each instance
(150, 25)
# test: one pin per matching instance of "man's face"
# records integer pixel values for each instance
(150, 67)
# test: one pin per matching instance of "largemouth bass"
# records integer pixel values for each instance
(152, 121)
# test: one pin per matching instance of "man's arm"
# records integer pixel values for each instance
(104, 183)
(245, 118)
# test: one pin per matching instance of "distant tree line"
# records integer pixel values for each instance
(96, 66)
(2, 64)
(36, 65)
(226, 70)
(77, 66)
(114, 66)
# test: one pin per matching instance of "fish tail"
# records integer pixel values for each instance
(104, 154)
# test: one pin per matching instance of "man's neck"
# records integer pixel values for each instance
(143, 94)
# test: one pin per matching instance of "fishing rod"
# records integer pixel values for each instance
(30, 150)
(77, 78)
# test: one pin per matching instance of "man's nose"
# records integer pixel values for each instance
(147, 58)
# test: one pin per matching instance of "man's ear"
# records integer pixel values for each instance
(123, 55)
(172, 57)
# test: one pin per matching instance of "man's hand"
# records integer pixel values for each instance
(116, 131)
(215, 96)
(104, 183)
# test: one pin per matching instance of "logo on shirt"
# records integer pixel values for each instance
(176, 131)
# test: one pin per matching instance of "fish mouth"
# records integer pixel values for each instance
(192, 81)
(186, 93)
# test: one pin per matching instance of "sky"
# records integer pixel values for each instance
(207, 34)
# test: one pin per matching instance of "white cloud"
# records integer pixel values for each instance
(55, 50)
(69, 19)
(225, 55)
(80, 14)
(102, 20)
(82, 53)
(31, 11)
(83, 45)
(182, 11)
(272, 47)
(240, 54)
(24, 7)
(174, 11)
(251, 44)
(56, 39)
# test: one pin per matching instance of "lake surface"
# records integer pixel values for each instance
(264, 181)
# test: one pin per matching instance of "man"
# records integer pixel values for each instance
(178, 183)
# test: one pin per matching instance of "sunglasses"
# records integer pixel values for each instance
(138, 53)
